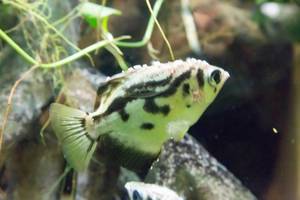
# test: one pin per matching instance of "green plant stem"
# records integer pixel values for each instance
(64, 61)
(72, 13)
(148, 31)
(161, 31)
(117, 56)
(82, 52)
(16, 47)
(58, 181)
(112, 48)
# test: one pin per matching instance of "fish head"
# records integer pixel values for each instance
(200, 89)
(206, 81)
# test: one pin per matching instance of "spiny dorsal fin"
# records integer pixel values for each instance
(106, 88)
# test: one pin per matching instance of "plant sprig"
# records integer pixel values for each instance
(64, 61)
(109, 41)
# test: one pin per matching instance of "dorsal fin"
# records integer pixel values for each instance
(105, 88)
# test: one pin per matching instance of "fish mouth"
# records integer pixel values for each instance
(226, 76)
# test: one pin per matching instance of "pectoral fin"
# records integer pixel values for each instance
(69, 127)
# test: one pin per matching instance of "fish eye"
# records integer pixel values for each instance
(136, 195)
(215, 77)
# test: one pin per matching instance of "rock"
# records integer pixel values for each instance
(187, 168)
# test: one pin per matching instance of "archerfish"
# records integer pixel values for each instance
(137, 111)
(147, 191)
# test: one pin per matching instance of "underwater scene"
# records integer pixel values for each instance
(149, 100)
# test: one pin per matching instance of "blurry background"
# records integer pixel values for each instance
(253, 127)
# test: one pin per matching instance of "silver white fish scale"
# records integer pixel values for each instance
(151, 191)
(159, 71)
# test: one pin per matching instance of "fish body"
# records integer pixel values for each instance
(137, 111)
(147, 191)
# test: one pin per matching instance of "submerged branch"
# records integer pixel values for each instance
(9, 102)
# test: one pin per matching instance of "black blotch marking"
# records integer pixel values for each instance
(186, 89)
(112, 149)
(151, 107)
(165, 109)
(117, 105)
(102, 88)
(146, 87)
(188, 105)
(200, 77)
(149, 198)
(175, 84)
(107, 85)
(100, 136)
(162, 82)
(124, 115)
(147, 126)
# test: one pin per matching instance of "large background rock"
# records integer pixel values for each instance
(192, 172)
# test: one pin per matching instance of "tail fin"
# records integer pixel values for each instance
(69, 127)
